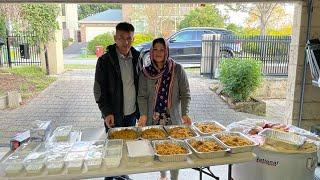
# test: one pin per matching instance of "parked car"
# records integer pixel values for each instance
(185, 44)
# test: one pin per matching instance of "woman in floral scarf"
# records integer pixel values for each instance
(164, 94)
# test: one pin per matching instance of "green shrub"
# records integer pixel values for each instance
(240, 77)
(141, 38)
(103, 40)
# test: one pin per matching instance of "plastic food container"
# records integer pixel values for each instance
(55, 162)
(74, 161)
(140, 151)
(34, 162)
(114, 144)
(93, 159)
(62, 133)
(112, 157)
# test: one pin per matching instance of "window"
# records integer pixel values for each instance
(64, 25)
(140, 25)
(200, 33)
(63, 10)
(185, 36)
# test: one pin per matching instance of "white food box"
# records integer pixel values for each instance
(55, 162)
(93, 159)
(114, 143)
(62, 133)
(112, 157)
(34, 162)
(74, 161)
(140, 151)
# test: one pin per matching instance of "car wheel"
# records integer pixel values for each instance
(226, 54)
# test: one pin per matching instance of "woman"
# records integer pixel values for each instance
(164, 94)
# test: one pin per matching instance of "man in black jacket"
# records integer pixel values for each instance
(116, 82)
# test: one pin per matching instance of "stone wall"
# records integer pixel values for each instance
(311, 113)
(272, 88)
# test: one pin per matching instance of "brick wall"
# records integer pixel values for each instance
(311, 113)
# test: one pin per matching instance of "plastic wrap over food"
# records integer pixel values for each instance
(40, 130)
(62, 133)
(245, 125)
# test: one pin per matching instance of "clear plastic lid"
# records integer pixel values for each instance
(75, 156)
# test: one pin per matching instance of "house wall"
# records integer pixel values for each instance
(311, 107)
(71, 21)
(88, 30)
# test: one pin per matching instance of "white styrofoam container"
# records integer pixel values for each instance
(271, 165)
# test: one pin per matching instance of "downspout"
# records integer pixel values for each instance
(310, 10)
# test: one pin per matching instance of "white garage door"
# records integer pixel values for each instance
(92, 32)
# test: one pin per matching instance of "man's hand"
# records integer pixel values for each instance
(186, 120)
(109, 120)
(142, 120)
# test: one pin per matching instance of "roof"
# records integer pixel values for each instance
(110, 15)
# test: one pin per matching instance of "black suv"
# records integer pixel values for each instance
(185, 45)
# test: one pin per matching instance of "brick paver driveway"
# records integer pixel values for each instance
(70, 100)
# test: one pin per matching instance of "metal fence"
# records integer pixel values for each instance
(20, 50)
(272, 51)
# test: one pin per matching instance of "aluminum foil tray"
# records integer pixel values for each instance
(208, 155)
(168, 128)
(210, 123)
(172, 158)
(238, 149)
(160, 127)
(112, 130)
(279, 138)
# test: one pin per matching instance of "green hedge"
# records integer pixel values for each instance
(103, 40)
(142, 38)
(240, 77)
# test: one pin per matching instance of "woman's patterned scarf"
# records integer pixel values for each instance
(164, 82)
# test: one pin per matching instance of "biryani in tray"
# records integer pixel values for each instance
(180, 132)
(234, 140)
(206, 146)
(123, 133)
(153, 133)
(209, 127)
(170, 149)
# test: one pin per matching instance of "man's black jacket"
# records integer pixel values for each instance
(108, 87)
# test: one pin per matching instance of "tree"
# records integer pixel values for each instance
(262, 15)
(85, 10)
(207, 16)
(41, 20)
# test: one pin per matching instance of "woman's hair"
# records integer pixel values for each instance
(159, 40)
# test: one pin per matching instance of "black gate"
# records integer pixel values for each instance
(20, 50)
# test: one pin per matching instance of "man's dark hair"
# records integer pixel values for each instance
(125, 26)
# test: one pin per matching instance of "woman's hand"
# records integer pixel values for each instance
(142, 120)
(186, 120)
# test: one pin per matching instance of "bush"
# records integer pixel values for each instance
(142, 38)
(240, 77)
(103, 40)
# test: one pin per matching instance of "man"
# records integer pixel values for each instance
(116, 80)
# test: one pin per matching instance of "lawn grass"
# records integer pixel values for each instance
(79, 66)
(89, 57)
(36, 80)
